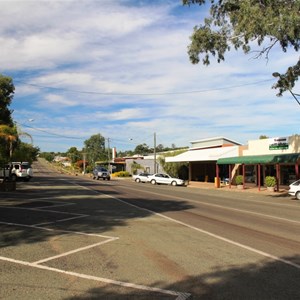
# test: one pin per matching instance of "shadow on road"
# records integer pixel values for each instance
(269, 280)
(50, 201)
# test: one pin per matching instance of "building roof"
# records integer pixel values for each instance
(260, 159)
(220, 138)
(212, 154)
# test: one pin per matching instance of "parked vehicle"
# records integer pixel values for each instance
(101, 172)
(17, 170)
(5, 172)
(161, 178)
(142, 177)
(295, 189)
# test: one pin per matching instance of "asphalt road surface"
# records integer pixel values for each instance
(71, 237)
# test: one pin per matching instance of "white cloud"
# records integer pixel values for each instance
(121, 70)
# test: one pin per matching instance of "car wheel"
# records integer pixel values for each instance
(138, 180)
(108, 178)
(174, 183)
(298, 195)
(153, 181)
(13, 177)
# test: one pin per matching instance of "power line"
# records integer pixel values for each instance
(144, 94)
(51, 133)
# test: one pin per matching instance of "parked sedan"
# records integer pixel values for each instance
(295, 189)
(161, 178)
(142, 177)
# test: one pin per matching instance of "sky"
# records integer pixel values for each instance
(120, 68)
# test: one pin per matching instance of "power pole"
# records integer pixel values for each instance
(154, 152)
(84, 160)
(108, 155)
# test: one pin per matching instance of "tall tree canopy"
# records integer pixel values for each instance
(95, 148)
(74, 154)
(6, 95)
(240, 23)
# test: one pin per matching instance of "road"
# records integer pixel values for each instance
(71, 237)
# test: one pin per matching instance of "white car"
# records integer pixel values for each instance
(161, 178)
(20, 170)
(142, 177)
(295, 189)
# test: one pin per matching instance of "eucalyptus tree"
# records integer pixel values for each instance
(244, 24)
(6, 95)
(95, 149)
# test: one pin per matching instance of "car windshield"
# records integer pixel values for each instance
(296, 182)
(101, 169)
(26, 166)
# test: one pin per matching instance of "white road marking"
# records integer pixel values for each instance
(223, 207)
(180, 296)
(76, 216)
(265, 254)
(74, 251)
(61, 220)
(37, 264)
(58, 230)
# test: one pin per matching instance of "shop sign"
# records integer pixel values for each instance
(279, 144)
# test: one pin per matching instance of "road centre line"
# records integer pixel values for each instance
(229, 241)
(251, 249)
(220, 206)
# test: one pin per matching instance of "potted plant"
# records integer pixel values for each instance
(270, 183)
(239, 180)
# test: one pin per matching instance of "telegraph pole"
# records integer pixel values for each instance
(84, 161)
(154, 152)
(108, 155)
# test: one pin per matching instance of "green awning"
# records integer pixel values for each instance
(260, 159)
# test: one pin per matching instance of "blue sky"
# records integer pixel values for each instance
(121, 69)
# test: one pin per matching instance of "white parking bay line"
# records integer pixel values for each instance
(179, 295)
(75, 251)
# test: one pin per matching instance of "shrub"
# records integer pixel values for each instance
(239, 179)
(270, 181)
(121, 174)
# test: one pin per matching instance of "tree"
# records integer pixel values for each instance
(175, 169)
(74, 154)
(142, 149)
(125, 153)
(95, 148)
(9, 137)
(263, 137)
(49, 156)
(25, 152)
(6, 95)
(240, 23)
